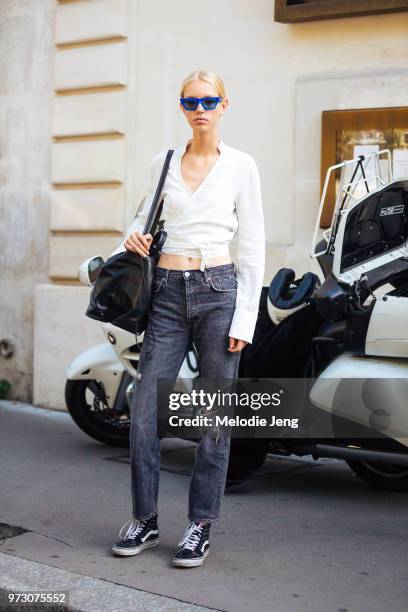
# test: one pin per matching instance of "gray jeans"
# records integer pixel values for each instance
(197, 305)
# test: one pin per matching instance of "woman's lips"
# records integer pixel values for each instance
(200, 120)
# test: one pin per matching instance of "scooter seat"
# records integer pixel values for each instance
(285, 292)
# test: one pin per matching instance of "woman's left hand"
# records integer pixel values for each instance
(236, 345)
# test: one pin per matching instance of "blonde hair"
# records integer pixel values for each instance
(210, 77)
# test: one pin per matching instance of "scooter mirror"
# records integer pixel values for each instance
(89, 270)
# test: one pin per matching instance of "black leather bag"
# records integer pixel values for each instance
(122, 291)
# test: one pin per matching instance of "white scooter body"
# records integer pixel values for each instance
(324, 392)
(386, 340)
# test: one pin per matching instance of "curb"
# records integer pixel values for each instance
(85, 594)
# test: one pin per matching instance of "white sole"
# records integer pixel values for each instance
(191, 562)
(130, 552)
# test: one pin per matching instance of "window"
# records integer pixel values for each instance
(288, 11)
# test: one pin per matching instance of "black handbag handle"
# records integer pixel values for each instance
(156, 207)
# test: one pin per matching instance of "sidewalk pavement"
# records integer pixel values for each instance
(300, 536)
(84, 593)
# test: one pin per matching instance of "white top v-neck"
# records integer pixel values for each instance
(227, 204)
(207, 177)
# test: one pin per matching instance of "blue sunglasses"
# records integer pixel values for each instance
(208, 103)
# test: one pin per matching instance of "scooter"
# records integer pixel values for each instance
(359, 356)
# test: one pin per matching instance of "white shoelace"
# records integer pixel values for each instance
(135, 527)
(191, 536)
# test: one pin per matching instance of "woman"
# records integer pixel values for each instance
(211, 194)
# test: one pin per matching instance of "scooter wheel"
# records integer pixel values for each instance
(381, 476)
(247, 456)
(99, 421)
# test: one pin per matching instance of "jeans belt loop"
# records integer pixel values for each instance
(203, 263)
(206, 274)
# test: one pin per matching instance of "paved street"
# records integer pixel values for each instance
(299, 536)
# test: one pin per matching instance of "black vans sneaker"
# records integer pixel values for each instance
(140, 535)
(194, 546)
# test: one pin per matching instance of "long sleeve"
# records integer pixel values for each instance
(140, 219)
(250, 255)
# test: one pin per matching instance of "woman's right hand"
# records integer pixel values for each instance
(138, 243)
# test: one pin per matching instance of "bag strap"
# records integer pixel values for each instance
(156, 207)
(156, 219)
